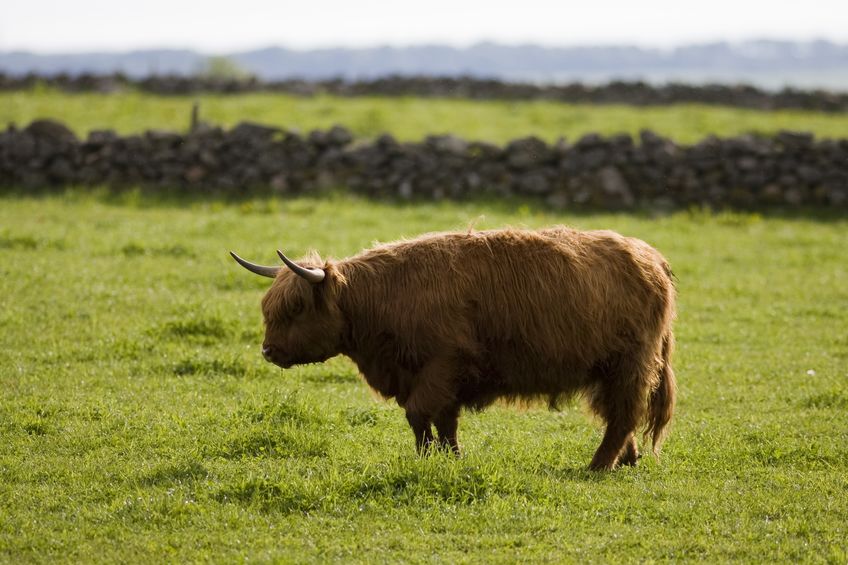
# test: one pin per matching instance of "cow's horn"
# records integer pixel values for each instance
(258, 269)
(312, 275)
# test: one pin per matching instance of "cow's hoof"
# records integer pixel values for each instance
(631, 459)
(600, 467)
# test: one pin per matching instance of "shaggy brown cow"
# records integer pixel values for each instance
(458, 320)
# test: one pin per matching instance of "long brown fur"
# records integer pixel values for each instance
(458, 320)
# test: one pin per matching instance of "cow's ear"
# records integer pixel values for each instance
(333, 273)
(330, 288)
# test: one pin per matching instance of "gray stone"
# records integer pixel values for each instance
(339, 136)
(51, 130)
(535, 183)
(101, 136)
(447, 144)
(405, 190)
(527, 153)
(252, 130)
(589, 141)
(279, 183)
(793, 196)
(772, 194)
(615, 188)
(838, 197)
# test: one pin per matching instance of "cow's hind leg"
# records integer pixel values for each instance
(613, 443)
(622, 385)
(630, 454)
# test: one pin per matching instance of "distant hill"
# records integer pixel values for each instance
(769, 64)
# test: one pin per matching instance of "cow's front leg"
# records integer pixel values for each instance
(420, 425)
(446, 423)
(430, 399)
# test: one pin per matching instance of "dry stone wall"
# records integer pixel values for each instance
(788, 169)
(633, 93)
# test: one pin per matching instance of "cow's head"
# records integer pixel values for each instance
(303, 322)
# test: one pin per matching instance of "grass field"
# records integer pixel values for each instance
(406, 118)
(138, 421)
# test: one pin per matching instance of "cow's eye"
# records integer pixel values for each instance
(295, 308)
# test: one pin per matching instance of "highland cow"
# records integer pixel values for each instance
(449, 321)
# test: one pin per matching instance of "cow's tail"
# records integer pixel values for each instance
(661, 401)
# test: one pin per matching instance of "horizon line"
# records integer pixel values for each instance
(424, 44)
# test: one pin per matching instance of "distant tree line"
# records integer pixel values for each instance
(222, 75)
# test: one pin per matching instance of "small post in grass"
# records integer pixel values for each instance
(195, 112)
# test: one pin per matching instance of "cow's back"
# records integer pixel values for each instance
(563, 296)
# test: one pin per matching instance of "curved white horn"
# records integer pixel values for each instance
(270, 272)
(312, 275)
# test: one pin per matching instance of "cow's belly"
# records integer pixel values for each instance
(516, 372)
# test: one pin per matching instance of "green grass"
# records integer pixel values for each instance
(138, 422)
(406, 118)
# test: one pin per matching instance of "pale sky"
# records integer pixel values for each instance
(219, 27)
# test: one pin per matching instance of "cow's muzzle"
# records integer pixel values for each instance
(266, 353)
(273, 355)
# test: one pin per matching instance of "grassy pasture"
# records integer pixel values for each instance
(406, 118)
(139, 423)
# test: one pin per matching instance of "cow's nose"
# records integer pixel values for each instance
(266, 352)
